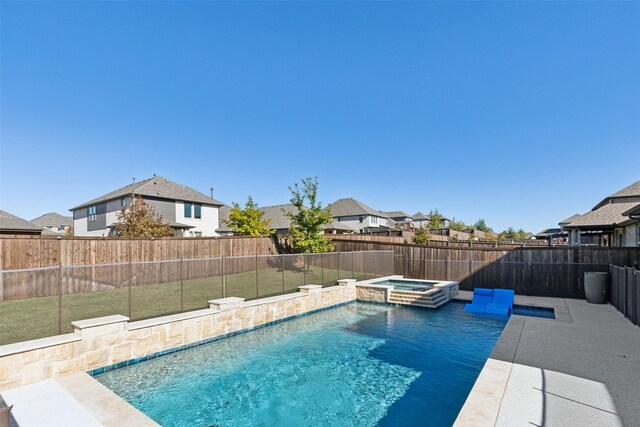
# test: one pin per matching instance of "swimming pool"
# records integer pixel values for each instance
(357, 365)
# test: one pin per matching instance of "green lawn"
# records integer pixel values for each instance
(32, 318)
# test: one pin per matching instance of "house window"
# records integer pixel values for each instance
(92, 212)
(187, 210)
(197, 210)
(374, 219)
(124, 202)
(196, 234)
(360, 219)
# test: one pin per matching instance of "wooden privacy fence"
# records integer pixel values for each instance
(537, 271)
(35, 251)
(625, 292)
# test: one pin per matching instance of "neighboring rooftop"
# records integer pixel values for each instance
(396, 214)
(223, 215)
(53, 219)
(420, 216)
(10, 223)
(350, 207)
(156, 186)
(570, 219)
(632, 190)
(606, 215)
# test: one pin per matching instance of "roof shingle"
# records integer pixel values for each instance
(155, 187)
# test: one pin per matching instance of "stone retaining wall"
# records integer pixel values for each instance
(105, 341)
(370, 293)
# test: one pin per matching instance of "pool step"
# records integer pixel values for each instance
(432, 298)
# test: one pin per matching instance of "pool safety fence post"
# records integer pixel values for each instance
(59, 280)
(353, 264)
(224, 280)
(282, 258)
(322, 267)
(304, 269)
(257, 284)
(130, 271)
(181, 287)
(339, 259)
(364, 265)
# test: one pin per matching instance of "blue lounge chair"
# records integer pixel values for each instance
(502, 302)
(481, 297)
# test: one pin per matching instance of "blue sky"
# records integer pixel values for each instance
(519, 113)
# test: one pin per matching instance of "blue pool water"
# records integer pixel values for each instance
(355, 365)
(407, 285)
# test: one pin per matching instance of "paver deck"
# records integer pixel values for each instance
(581, 369)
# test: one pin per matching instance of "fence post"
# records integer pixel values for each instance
(224, 280)
(353, 265)
(447, 262)
(282, 256)
(59, 288)
(364, 265)
(322, 268)
(257, 285)
(304, 269)
(181, 287)
(339, 258)
(130, 270)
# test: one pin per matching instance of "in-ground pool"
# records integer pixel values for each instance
(355, 365)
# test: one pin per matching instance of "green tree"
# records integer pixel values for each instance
(307, 233)
(248, 221)
(435, 219)
(457, 225)
(482, 226)
(421, 237)
(139, 219)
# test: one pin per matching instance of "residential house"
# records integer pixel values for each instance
(359, 217)
(279, 221)
(54, 222)
(609, 223)
(188, 212)
(11, 224)
(422, 220)
(555, 236)
(632, 230)
(399, 219)
(223, 214)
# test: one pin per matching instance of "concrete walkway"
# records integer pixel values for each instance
(582, 369)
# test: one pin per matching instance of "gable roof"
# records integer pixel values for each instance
(53, 218)
(610, 214)
(396, 214)
(628, 191)
(570, 219)
(155, 187)
(10, 222)
(350, 207)
(278, 220)
(633, 211)
(419, 216)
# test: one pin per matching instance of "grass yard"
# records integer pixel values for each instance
(32, 318)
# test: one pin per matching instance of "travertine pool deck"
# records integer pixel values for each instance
(73, 400)
(581, 369)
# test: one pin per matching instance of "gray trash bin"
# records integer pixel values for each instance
(596, 287)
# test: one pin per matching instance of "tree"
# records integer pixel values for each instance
(482, 226)
(140, 220)
(421, 237)
(307, 234)
(457, 225)
(435, 219)
(248, 221)
(69, 232)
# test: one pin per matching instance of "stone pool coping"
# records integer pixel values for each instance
(73, 400)
(582, 368)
